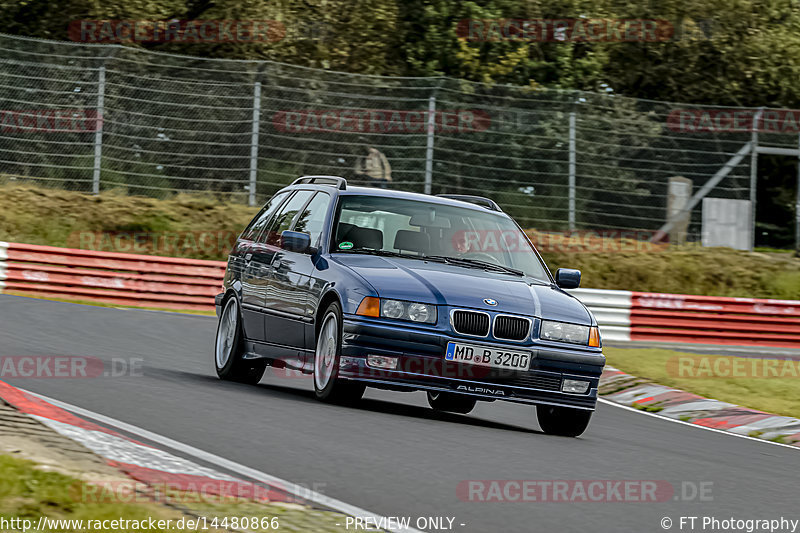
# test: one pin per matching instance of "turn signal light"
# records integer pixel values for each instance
(594, 337)
(369, 306)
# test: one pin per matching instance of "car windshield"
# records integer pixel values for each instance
(472, 238)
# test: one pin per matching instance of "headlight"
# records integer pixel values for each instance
(392, 309)
(563, 332)
(397, 310)
(415, 312)
(421, 312)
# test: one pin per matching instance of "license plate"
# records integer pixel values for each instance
(487, 356)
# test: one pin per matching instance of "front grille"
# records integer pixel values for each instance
(512, 328)
(471, 323)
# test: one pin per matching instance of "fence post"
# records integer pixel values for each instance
(429, 149)
(754, 176)
(797, 208)
(254, 144)
(98, 134)
(572, 158)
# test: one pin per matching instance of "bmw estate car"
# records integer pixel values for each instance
(362, 287)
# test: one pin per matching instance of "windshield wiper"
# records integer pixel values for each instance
(385, 253)
(461, 261)
(475, 263)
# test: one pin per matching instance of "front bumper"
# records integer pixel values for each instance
(421, 366)
(218, 302)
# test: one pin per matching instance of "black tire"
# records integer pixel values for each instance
(328, 387)
(234, 367)
(453, 403)
(562, 421)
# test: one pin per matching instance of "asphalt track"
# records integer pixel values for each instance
(392, 455)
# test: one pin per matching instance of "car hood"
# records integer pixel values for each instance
(442, 284)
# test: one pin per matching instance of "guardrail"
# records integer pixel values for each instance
(110, 277)
(646, 316)
(176, 283)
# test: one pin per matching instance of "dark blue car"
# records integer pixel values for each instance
(371, 287)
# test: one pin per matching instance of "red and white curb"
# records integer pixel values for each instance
(143, 463)
(139, 460)
(699, 411)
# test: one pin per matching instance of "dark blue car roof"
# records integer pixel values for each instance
(391, 193)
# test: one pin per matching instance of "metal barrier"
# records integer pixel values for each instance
(175, 283)
(115, 278)
(645, 316)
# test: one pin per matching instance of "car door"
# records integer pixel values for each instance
(252, 265)
(291, 287)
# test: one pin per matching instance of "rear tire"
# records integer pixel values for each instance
(562, 421)
(328, 387)
(453, 403)
(229, 348)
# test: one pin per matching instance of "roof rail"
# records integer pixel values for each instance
(478, 200)
(337, 181)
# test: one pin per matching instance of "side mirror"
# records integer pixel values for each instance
(295, 241)
(567, 278)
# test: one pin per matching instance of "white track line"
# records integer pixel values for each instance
(301, 492)
(641, 412)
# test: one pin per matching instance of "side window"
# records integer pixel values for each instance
(257, 224)
(312, 219)
(283, 220)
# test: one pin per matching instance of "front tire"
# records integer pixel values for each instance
(229, 348)
(562, 421)
(453, 403)
(328, 387)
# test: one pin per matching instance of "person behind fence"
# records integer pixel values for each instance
(373, 169)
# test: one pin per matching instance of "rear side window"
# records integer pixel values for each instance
(262, 218)
(286, 214)
(312, 219)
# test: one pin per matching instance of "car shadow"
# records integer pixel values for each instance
(422, 412)
(368, 404)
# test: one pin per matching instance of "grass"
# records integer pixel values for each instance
(205, 227)
(713, 376)
(197, 226)
(687, 269)
(27, 492)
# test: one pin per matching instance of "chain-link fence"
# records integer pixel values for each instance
(97, 117)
